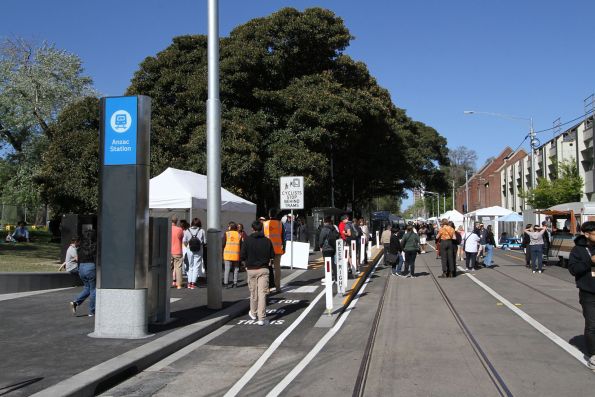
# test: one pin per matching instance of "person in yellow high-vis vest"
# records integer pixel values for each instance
(231, 254)
(273, 230)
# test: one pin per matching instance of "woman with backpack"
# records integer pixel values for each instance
(194, 238)
(410, 246)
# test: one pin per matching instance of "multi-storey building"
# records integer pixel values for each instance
(511, 172)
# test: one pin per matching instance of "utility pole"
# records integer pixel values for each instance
(466, 192)
(533, 143)
(453, 194)
(214, 292)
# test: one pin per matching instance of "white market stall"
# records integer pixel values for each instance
(184, 193)
(487, 216)
(511, 224)
(455, 216)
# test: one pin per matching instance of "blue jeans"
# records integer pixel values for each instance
(536, 256)
(87, 275)
(488, 257)
(399, 267)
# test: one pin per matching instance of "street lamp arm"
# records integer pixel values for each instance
(503, 115)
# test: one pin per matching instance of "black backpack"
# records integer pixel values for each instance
(330, 239)
(194, 243)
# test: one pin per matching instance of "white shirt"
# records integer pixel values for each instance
(472, 243)
(199, 233)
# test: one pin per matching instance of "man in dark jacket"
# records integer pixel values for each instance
(581, 266)
(257, 252)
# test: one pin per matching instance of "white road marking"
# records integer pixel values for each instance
(16, 295)
(239, 385)
(306, 289)
(573, 351)
(321, 343)
(172, 300)
(188, 349)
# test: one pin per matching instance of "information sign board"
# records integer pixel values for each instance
(120, 126)
(292, 192)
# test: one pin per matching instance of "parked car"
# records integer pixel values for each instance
(511, 243)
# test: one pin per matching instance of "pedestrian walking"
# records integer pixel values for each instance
(471, 247)
(350, 235)
(185, 261)
(581, 265)
(461, 248)
(410, 246)
(396, 253)
(327, 243)
(455, 243)
(536, 248)
(446, 234)
(525, 244)
(302, 231)
(71, 262)
(482, 242)
(257, 252)
(194, 240)
(423, 237)
(177, 235)
(366, 233)
(489, 247)
(273, 230)
(232, 242)
(87, 255)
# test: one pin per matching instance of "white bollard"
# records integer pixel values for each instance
(328, 280)
(346, 263)
(377, 238)
(353, 257)
(341, 287)
(362, 251)
(369, 250)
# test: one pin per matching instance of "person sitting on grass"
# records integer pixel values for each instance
(20, 234)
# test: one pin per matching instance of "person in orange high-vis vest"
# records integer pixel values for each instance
(274, 232)
(231, 254)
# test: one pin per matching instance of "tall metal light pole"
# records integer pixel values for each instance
(532, 139)
(214, 293)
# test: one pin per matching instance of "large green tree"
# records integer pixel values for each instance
(69, 175)
(36, 83)
(291, 101)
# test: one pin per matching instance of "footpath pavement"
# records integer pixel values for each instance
(45, 349)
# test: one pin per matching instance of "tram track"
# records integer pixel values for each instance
(362, 375)
(493, 374)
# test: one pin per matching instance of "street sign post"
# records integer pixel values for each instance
(292, 198)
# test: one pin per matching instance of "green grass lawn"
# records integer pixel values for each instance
(37, 256)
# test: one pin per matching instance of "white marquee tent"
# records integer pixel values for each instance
(185, 194)
(455, 216)
(489, 216)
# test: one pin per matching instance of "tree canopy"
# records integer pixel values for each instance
(290, 98)
(36, 84)
(566, 188)
(291, 101)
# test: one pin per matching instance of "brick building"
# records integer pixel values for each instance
(484, 186)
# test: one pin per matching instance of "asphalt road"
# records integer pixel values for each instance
(497, 332)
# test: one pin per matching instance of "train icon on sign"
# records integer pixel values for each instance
(120, 121)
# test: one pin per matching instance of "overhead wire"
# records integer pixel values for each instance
(568, 122)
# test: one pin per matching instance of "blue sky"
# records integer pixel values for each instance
(528, 58)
